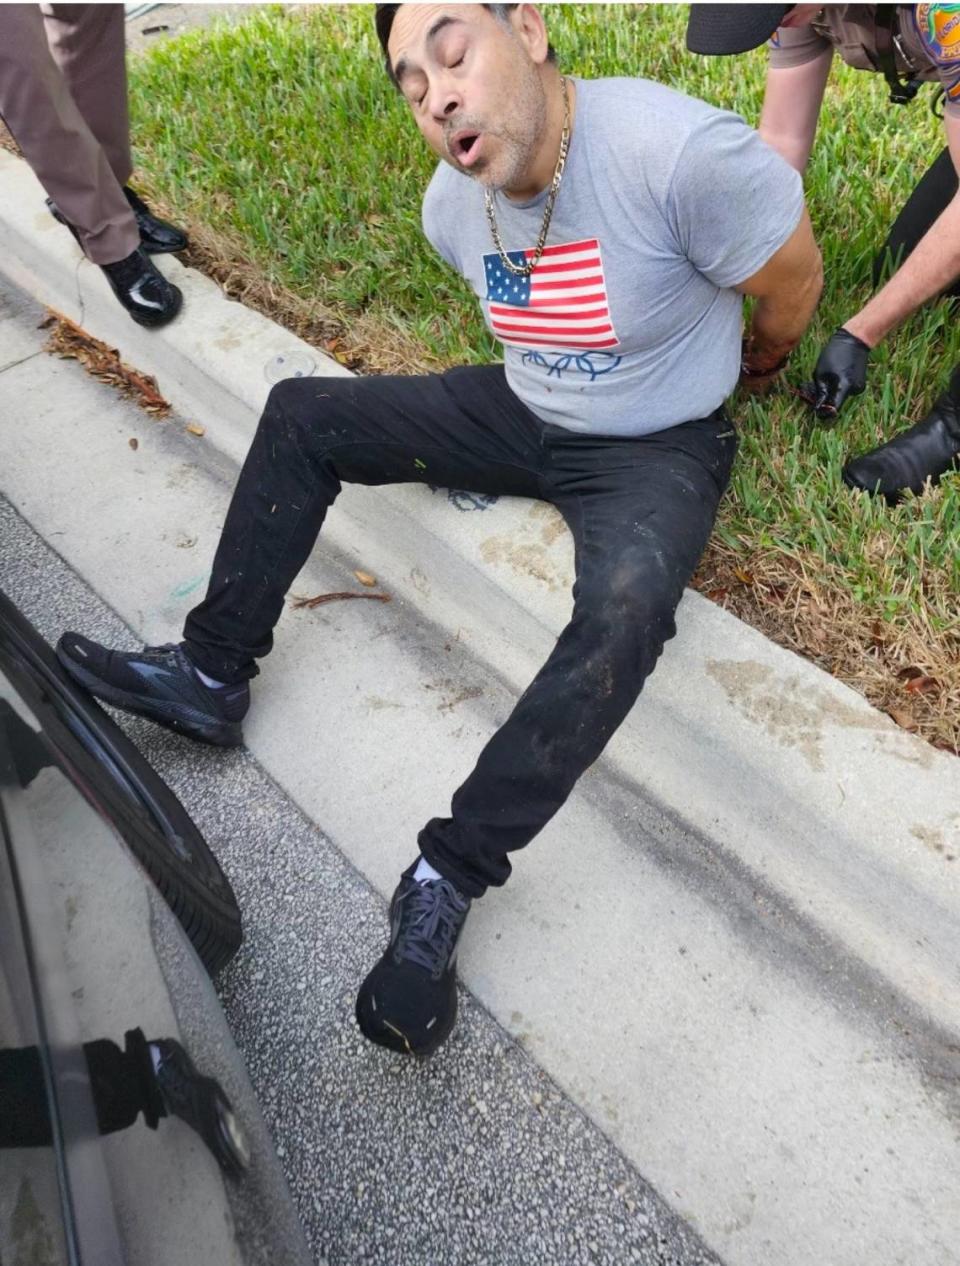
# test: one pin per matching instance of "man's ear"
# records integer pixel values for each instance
(528, 23)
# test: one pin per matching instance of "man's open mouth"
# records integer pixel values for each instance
(464, 146)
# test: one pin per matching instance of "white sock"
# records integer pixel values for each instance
(208, 681)
(425, 872)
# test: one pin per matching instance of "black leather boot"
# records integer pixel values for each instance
(156, 236)
(926, 451)
(143, 290)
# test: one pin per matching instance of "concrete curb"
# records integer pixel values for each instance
(796, 789)
(210, 364)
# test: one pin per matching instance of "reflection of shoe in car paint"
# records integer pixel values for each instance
(200, 1102)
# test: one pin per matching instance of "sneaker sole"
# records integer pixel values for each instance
(218, 734)
(383, 1032)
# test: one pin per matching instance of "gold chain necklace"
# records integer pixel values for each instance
(524, 270)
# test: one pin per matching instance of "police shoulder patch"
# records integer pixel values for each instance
(939, 29)
(938, 26)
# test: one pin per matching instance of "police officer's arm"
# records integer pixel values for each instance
(841, 370)
(787, 289)
(932, 265)
(791, 107)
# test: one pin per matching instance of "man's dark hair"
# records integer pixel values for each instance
(387, 12)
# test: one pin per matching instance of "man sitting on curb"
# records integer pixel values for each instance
(609, 229)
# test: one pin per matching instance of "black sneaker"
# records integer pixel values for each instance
(158, 682)
(926, 451)
(143, 290)
(409, 1001)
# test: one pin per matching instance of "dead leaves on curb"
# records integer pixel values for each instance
(70, 342)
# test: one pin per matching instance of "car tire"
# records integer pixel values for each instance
(95, 754)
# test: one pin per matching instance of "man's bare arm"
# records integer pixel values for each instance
(787, 289)
(791, 108)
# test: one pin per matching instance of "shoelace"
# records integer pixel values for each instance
(431, 916)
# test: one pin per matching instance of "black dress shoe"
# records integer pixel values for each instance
(143, 290)
(924, 452)
(156, 236)
(62, 219)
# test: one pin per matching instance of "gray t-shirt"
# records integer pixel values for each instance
(628, 324)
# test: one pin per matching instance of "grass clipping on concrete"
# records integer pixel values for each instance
(281, 145)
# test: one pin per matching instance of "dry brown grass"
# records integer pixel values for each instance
(365, 344)
(912, 676)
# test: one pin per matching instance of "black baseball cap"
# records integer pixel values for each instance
(722, 29)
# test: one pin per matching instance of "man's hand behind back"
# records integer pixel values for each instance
(787, 289)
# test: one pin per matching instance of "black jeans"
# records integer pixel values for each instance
(640, 511)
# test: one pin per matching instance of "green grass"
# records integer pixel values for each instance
(283, 133)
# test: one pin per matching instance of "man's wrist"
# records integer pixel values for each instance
(757, 362)
(749, 370)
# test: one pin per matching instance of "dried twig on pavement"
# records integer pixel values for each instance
(335, 597)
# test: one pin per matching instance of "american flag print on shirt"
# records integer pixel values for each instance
(563, 303)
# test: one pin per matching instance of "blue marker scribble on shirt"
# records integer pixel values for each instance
(557, 364)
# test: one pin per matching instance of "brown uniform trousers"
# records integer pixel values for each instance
(63, 96)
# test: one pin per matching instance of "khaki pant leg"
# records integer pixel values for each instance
(88, 43)
(67, 159)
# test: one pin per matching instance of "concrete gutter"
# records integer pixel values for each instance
(778, 1046)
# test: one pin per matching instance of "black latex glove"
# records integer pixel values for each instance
(840, 372)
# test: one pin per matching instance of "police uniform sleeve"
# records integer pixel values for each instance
(795, 46)
(938, 26)
(733, 201)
